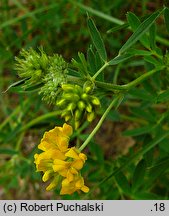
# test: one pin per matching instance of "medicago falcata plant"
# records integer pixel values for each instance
(79, 91)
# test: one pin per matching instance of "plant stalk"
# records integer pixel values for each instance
(113, 103)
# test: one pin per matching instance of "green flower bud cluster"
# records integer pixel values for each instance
(77, 103)
(32, 65)
(51, 71)
(56, 76)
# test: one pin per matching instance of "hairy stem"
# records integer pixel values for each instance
(100, 70)
(112, 87)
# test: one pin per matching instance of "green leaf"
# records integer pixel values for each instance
(97, 152)
(152, 34)
(138, 175)
(163, 97)
(149, 88)
(81, 64)
(166, 17)
(138, 131)
(98, 13)
(164, 145)
(139, 52)
(123, 182)
(144, 114)
(13, 183)
(117, 28)
(141, 30)
(97, 40)
(8, 151)
(91, 61)
(33, 88)
(119, 59)
(152, 60)
(142, 94)
(158, 169)
(99, 64)
(15, 84)
(156, 140)
(149, 156)
(84, 63)
(134, 22)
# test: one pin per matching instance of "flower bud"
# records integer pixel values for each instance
(77, 102)
(70, 96)
(77, 114)
(95, 101)
(77, 123)
(67, 87)
(65, 113)
(84, 96)
(90, 116)
(89, 107)
(32, 65)
(81, 105)
(38, 68)
(67, 117)
(71, 107)
(88, 87)
(61, 102)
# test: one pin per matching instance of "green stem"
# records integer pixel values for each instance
(114, 102)
(116, 73)
(112, 87)
(100, 70)
(142, 77)
(97, 13)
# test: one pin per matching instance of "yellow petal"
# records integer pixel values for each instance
(79, 182)
(47, 175)
(82, 156)
(60, 165)
(85, 189)
(53, 184)
(68, 191)
(67, 129)
(72, 153)
(73, 171)
(69, 176)
(67, 187)
(58, 168)
(77, 164)
(61, 162)
(44, 145)
(65, 182)
(57, 154)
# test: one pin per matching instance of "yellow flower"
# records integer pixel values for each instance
(57, 138)
(74, 163)
(76, 185)
(57, 161)
(44, 162)
(53, 183)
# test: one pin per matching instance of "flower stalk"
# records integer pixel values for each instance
(113, 87)
(113, 103)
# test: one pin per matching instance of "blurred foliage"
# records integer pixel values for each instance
(61, 27)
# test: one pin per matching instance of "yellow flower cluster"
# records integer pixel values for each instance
(60, 163)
